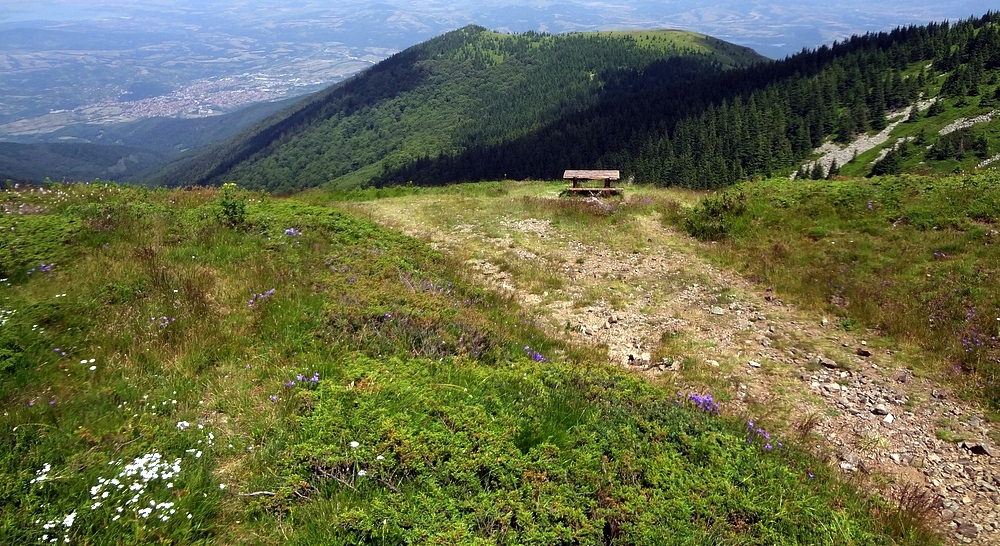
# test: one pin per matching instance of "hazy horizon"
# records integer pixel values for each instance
(774, 27)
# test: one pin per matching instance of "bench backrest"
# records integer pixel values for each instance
(592, 175)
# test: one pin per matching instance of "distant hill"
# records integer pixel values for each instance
(468, 88)
(170, 136)
(123, 151)
(74, 162)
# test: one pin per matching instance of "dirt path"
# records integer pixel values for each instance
(662, 311)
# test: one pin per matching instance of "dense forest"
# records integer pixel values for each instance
(471, 88)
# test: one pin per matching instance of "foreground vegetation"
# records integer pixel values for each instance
(915, 258)
(220, 366)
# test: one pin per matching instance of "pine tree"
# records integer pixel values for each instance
(817, 172)
(834, 170)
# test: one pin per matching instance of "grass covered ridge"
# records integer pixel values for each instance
(914, 257)
(217, 366)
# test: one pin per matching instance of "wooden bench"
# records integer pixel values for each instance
(606, 176)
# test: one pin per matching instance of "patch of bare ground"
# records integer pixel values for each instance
(661, 310)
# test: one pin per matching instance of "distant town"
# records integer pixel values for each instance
(205, 98)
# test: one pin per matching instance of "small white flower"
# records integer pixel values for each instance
(362, 473)
(92, 360)
(379, 458)
(355, 445)
(222, 486)
(92, 368)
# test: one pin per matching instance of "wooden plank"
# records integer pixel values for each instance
(592, 175)
(595, 191)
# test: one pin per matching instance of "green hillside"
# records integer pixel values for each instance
(471, 87)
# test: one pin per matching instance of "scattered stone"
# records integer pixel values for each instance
(826, 362)
(712, 363)
(848, 467)
(975, 421)
(880, 409)
(613, 319)
(968, 530)
(938, 394)
(864, 352)
(754, 364)
(888, 419)
(717, 311)
(896, 458)
(978, 449)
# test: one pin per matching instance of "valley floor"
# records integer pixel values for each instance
(645, 294)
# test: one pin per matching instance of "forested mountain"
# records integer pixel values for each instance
(468, 89)
(665, 107)
(751, 122)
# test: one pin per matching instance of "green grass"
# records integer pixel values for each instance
(471, 426)
(912, 257)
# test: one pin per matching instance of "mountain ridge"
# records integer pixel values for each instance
(501, 84)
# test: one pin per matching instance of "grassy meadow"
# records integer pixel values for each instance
(216, 366)
(913, 258)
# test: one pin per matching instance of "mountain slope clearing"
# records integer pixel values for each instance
(609, 275)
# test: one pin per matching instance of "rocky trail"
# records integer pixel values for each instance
(661, 310)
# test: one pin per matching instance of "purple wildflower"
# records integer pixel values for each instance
(534, 355)
(290, 384)
(704, 403)
(274, 397)
(256, 298)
